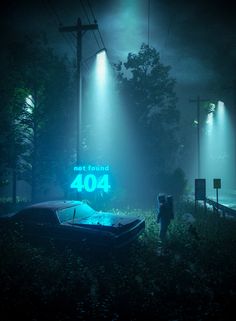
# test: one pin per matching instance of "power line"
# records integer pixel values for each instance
(78, 28)
(67, 37)
(149, 6)
(85, 10)
(91, 10)
(101, 39)
(49, 6)
(95, 20)
(87, 16)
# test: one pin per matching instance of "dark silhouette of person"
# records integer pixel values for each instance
(165, 214)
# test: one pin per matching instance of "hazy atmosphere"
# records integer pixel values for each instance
(196, 39)
(117, 160)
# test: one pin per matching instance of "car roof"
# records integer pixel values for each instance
(55, 205)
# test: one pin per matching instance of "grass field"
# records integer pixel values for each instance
(191, 277)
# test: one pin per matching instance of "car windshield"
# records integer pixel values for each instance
(74, 212)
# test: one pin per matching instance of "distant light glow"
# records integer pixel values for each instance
(221, 109)
(29, 104)
(212, 107)
(210, 117)
(209, 120)
(218, 150)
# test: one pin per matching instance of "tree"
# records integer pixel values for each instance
(148, 90)
(12, 132)
(37, 114)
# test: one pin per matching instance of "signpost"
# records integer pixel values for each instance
(217, 186)
(200, 191)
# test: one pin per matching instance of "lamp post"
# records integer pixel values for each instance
(78, 28)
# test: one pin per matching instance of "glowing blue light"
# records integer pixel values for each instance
(221, 109)
(90, 179)
(218, 150)
(92, 168)
(101, 68)
(29, 104)
(210, 117)
(209, 120)
(109, 132)
(99, 220)
(90, 183)
(212, 107)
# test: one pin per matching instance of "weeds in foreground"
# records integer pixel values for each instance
(191, 278)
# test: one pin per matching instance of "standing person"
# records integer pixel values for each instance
(165, 214)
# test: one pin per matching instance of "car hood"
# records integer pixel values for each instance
(107, 221)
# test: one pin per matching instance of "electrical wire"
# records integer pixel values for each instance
(52, 11)
(66, 38)
(49, 6)
(149, 6)
(87, 16)
(91, 10)
(95, 20)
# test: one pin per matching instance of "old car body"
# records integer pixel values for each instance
(76, 221)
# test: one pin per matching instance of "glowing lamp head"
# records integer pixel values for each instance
(101, 51)
(101, 65)
(101, 56)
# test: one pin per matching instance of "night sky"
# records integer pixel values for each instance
(196, 38)
(191, 36)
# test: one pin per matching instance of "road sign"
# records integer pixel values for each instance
(217, 183)
(200, 189)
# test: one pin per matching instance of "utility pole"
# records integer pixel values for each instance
(198, 101)
(80, 30)
(232, 88)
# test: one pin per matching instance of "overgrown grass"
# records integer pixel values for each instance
(190, 278)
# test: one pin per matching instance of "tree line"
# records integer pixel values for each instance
(37, 119)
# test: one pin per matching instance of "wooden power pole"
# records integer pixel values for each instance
(79, 29)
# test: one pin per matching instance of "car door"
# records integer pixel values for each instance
(38, 223)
